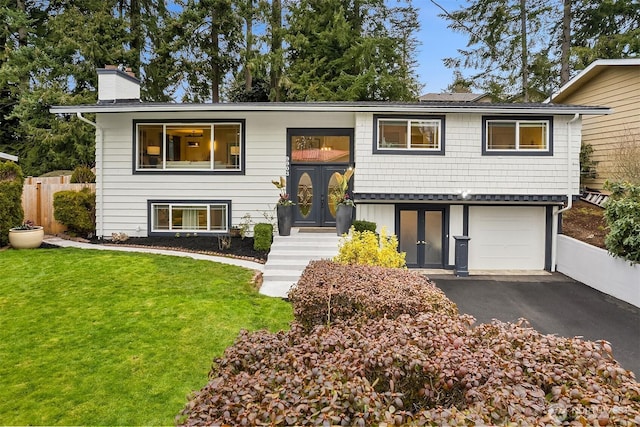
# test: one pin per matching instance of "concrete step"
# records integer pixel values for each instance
(290, 255)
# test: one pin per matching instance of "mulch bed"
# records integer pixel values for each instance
(209, 245)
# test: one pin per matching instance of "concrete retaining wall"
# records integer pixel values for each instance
(596, 268)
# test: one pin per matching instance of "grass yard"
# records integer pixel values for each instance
(108, 338)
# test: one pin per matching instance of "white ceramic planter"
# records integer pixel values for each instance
(26, 239)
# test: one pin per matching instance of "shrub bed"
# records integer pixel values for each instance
(328, 291)
(428, 369)
(396, 352)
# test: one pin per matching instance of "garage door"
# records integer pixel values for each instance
(506, 238)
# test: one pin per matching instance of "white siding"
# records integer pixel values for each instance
(463, 167)
(122, 195)
(382, 215)
(455, 229)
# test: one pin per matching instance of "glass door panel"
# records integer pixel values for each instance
(433, 237)
(305, 195)
(409, 235)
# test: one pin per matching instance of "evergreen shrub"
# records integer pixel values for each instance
(328, 291)
(76, 210)
(262, 236)
(622, 213)
(11, 212)
(361, 225)
(82, 175)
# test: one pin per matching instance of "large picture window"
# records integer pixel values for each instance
(523, 136)
(189, 217)
(188, 146)
(416, 135)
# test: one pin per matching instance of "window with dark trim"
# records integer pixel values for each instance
(408, 134)
(189, 216)
(189, 146)
(523, 136)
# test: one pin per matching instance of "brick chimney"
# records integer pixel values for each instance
(117, 84)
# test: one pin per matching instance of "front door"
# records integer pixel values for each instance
(316, 156)
(312, 187)
(422, 236)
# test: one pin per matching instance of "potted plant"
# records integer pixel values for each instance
(284, 208)
(344, 202)
(26, 236)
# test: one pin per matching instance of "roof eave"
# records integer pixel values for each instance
(330, 107)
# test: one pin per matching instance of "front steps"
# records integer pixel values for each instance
(289, 256)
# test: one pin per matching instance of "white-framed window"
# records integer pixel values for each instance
(188, 147)
(403, 135)
(189, 217)
(519, 136)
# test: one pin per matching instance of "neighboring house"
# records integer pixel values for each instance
(455, 97)
(498, 173)
(616, 84)
(5, 156)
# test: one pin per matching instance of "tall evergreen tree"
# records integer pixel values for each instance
(351, 50)
(54, 62)
(605, 29)
(504, 36)
(210, 37)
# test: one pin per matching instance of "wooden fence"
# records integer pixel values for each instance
(37, 200)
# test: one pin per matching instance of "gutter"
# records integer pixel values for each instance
(99, 175)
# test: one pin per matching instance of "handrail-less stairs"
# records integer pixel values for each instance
(289, 256)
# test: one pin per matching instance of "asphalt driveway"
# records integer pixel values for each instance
(553, 304)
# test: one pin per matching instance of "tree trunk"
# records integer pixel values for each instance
(276, 47)
(525, 65)
(135, 27)
(215, 56)
(249, 54)
(565, 43)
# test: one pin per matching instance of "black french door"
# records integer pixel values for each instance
(422, 236)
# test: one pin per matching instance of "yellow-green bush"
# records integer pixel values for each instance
(365, 248)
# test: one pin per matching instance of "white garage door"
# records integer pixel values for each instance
(506, 238)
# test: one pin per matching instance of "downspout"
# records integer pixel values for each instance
(99, 175)
(569, 175)
(556, 215)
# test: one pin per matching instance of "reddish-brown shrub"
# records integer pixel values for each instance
(427, 369)
(328, 291)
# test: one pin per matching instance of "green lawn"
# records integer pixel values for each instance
(110, 338)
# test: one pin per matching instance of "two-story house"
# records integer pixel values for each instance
(497, 173)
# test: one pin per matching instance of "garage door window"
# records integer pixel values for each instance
(516, 136)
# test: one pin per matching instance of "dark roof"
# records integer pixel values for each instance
(424, 107)
(462, 97)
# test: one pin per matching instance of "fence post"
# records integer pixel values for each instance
(39, 203)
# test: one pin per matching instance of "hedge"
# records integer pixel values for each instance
(76, 210)
(328, 291)
(11, 212)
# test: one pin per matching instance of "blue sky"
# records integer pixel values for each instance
(438, 42)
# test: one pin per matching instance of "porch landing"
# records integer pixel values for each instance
(289, 256)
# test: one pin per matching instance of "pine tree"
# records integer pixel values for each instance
(351, 50)
(209, 48)
(605, 29)
(504, 36)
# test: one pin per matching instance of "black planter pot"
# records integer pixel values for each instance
(344, 218)
(285, 219)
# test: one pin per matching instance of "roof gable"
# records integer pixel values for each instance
(586, 75)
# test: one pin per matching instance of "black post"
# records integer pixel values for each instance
(462, 256)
